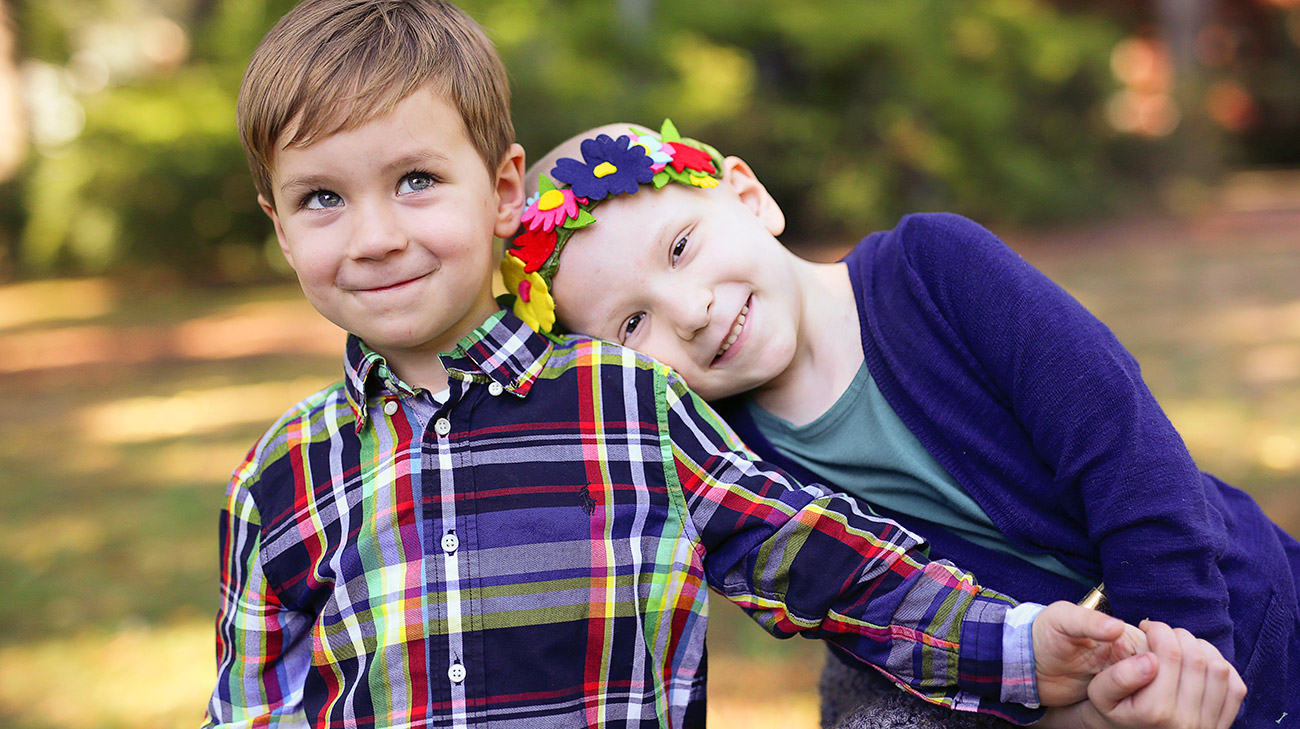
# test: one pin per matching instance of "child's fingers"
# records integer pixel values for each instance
(1133, 640)
(1236, 694)
(1191, 680)
(1080, 622)
(1193, 685)
(1208, 691)
(1121, 681)
(1159, 701)
(1217, 675)
(1224, 689)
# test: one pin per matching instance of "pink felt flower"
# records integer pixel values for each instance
(550, 210)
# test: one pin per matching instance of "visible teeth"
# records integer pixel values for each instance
(735, 332)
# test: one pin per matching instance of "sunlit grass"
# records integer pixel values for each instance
(44, 302)
(788, 696)
(137, 676)
(191, 412)
(245, 330)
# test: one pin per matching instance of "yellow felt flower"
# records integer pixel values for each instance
(533, 301)
(704, 181)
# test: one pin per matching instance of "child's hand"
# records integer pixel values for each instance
(1194, 687)
(1072, 644)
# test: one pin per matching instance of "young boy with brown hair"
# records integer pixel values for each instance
(482, 525)
(932, 373)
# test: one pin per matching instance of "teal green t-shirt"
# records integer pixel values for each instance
(861, 447)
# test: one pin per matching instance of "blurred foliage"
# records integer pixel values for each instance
(852, 112)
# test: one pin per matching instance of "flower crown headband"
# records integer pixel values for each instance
(609, 167)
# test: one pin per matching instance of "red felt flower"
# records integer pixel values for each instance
(533, 247)
(686, 157)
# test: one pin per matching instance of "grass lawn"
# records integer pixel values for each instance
(125, 411)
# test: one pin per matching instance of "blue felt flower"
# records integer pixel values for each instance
(610, 167)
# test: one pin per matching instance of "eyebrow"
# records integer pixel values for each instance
(665, 231)
(405, 162)
(306, 182)
(414, 159)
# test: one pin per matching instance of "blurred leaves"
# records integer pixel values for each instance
(853, 112)
(856, 112)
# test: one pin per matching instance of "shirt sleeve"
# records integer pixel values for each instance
(262, 653)
(1120, 467)
(805, 560)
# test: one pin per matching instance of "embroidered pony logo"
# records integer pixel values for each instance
(588, 503)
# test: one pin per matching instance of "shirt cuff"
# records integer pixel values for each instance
(1019, 684)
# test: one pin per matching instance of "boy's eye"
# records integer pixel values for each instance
(321, 200)
(415, 182)
(632, 323)
(678, 248)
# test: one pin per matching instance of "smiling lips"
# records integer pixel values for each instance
(388, 287)
(736, 328)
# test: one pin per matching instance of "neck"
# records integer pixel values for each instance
(420, 369)
(420, 366)
(829, 349)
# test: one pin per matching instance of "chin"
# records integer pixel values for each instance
(395, 337)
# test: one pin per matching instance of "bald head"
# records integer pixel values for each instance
(571, 147)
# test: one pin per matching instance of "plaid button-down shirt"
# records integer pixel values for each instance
(535, 552)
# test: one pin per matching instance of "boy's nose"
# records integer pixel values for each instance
(377, 234)
(691, 310)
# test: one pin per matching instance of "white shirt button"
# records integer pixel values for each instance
(442, 427)
(450, 543)
(456, 673)
(390, 407)
(495, 389)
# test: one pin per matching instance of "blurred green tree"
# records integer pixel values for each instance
(137, 166)
(853, 112)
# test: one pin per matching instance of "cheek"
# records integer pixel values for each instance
(455, 237)
(670, 355)
(313, 270)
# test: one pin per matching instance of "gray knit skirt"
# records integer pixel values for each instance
(854, 697)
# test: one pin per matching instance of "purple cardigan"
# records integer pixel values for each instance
(1042, 416)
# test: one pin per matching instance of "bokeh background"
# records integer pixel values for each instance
(1146, 153)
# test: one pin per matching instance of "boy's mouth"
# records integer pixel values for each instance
(733, 334)
(391, 286)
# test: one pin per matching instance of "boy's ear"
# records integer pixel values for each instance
(510, 191)
(738, 175)
(269, 209)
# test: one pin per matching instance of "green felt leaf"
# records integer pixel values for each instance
(583, 220)
(669, 133)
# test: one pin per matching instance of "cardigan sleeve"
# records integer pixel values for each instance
(1120, 469)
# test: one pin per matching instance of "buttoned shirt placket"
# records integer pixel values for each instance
(441, 464)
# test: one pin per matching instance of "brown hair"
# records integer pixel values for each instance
(334, 65)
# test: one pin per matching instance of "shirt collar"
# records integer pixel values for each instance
(502, 349)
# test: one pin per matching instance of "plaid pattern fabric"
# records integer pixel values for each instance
(535, 552)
